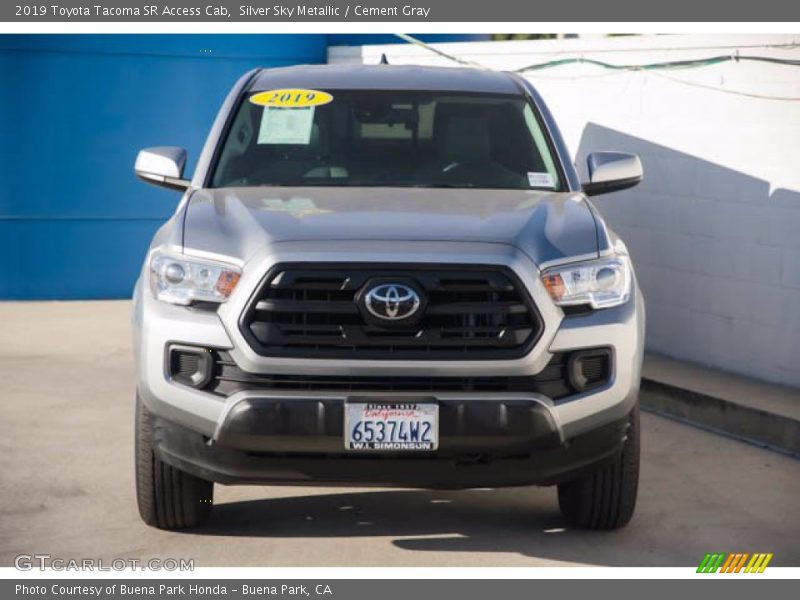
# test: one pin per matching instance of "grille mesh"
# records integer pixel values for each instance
(594, 369)
(187, 363)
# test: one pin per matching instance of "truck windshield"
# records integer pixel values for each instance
(386, 138)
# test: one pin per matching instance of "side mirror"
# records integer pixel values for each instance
(162, 166)
(611, 172)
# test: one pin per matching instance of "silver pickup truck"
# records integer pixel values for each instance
(386, 275)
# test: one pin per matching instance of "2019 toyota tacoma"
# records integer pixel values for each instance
(387, 275)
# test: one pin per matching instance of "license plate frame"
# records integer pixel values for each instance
(388, 411)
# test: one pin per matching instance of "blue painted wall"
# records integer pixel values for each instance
(74, 221)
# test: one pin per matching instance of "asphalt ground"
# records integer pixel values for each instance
(66, 483)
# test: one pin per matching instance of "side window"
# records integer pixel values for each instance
(541, 144)
(426, 112)
(237, 143)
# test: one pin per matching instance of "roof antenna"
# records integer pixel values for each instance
(384, 60)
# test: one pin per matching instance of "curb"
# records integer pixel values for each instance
(759, 427)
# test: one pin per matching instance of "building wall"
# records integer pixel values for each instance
(74, 220)
(714, 230)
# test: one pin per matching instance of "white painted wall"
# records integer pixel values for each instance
(714, 230)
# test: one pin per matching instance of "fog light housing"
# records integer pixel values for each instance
(589, 369)
(190, 365)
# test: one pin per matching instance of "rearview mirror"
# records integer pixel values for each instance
(611, 172)
(162, 166)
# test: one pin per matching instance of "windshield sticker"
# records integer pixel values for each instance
(540, 180)
(286, 125)
(291, 98)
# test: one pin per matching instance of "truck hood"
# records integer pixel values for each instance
(238, 222)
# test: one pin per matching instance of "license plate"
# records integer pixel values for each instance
(405, 427)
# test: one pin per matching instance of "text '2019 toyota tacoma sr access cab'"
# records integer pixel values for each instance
(386, 275)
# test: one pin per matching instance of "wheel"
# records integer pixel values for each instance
(168, 498)
(606, 498)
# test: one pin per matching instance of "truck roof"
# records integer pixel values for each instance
(386, 77)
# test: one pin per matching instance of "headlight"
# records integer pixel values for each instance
(181, 280)
(600, 283)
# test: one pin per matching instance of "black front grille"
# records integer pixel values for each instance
(311, 311)
(552, 381)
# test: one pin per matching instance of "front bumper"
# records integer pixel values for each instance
(536, 457)
(296, 436)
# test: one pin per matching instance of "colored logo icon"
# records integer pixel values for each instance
(735, 562)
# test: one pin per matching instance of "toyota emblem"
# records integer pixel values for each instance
(392, 301)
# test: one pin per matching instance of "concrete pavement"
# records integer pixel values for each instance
(66, 483)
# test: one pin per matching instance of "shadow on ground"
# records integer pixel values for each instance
(525, 521)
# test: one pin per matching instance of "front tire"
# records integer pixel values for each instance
(606, 497)
(168, 498)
